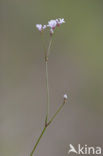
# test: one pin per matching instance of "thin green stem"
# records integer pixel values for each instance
(31, 154)
(59, 109)
(45, 127)
(47, 80)
(48, 52)
(47, 88)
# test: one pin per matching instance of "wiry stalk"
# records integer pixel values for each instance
(47, 80)
(46, 125)
(31, 154)
(48, 52)
(47, 88)
(59, 109)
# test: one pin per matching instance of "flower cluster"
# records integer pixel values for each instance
(51, 24)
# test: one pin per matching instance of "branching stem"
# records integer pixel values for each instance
(45, 127)
(47, 123)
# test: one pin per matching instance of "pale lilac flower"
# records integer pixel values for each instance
(60, 21)
(40, 27)
(65, 96)
(52, 24)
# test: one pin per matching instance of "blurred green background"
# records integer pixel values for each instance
(75, 68)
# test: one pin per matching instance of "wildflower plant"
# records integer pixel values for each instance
(52, 24)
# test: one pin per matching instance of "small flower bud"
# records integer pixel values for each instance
(65, 97)
(51, 32)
